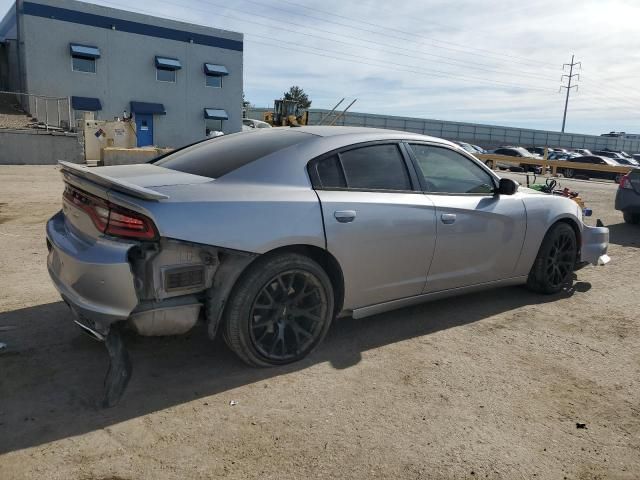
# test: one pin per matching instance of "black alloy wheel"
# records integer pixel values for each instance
(287, 316)
(553, 268)
(279, 311)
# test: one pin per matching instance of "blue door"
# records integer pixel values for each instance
(144, 129)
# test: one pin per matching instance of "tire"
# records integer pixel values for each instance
(279, 311)
(569, 172)
(554, 265)
(617, 178)
(631, 218)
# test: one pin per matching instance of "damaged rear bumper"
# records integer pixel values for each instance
(93, 276)
(595, 241)
(154, 287)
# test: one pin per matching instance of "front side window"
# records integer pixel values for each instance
(165, 75)
(375, 167)
(446, 171)
(85, 65)
(213, 81)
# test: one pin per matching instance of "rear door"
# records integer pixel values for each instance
(479, 234)
(378, 223)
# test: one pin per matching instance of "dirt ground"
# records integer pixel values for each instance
(490, 385)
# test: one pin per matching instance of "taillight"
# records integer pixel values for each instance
(625, 182)
(110, 218)
(125, 223)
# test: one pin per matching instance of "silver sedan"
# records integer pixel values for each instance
(271, 234)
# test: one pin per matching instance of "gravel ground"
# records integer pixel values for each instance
(489, 385)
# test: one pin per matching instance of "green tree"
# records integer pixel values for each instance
(297, 94)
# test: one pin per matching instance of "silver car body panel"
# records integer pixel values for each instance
(92, 275)
(398, 251)
(386, 249)
(480, 239)
(429, 297)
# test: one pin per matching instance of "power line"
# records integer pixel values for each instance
(330, 32)
(376, 50)
(569, 87)
(412, 36)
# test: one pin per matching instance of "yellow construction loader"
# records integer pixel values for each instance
(286, 113)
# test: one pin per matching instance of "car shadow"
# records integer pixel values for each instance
(624, 234)
(52, 374)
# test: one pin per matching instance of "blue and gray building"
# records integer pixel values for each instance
(176, 80)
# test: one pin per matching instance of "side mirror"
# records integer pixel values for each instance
(507, 186)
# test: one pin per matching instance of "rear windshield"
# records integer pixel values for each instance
(219, 156)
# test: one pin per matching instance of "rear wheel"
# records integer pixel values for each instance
(569, 172)
(632, 218)
(617, 177)
(554, 265)
(280, 310)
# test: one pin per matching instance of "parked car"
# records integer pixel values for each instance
(468, 147)
(249, 124)
(270, 235)
(479, 149)
(583, 151)
(593, 160)
(628, 197)
(539, 150)
(609, 154)
(521, 153)
(558, 155)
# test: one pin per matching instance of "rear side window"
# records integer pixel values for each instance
(330, 173)
(219, 156)
(376, 167)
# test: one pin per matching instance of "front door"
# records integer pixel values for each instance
(144, 129)
(381, 230)
(479, 233)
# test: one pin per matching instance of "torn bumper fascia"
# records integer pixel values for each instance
(595, 241)
(93, 276)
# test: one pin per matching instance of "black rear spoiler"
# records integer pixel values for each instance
(112, 183)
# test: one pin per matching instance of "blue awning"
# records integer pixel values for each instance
(215, 114)
(215, 70)
(84, 51)
(87, 104)
(148, 108)
(168, 63)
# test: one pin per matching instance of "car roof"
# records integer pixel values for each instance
(333, 131)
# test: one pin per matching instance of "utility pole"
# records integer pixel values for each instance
(569, 86)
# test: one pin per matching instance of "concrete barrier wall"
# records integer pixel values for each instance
(128, 156)
(488, 136)
(24, 147)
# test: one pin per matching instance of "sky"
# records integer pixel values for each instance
(484, 61)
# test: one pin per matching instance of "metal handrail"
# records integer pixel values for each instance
(46, 99)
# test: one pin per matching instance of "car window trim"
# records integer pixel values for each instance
(316, 183)
(468, 156)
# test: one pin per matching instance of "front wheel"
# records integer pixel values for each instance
(554, 265)
(569, 172)
(280, 310)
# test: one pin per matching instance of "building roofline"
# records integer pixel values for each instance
(111, 19)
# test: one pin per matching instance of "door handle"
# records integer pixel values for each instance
(448, 218)
(345, 216)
